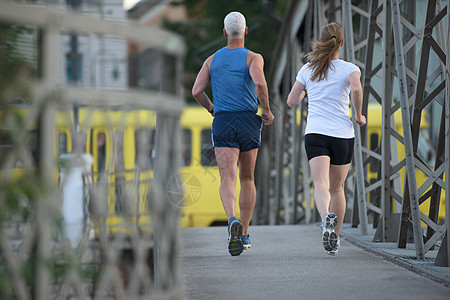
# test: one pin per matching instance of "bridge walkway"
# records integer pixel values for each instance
(288, 262)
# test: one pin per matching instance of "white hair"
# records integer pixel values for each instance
(234, 24)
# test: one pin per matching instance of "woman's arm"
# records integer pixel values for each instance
(357, 97)
(297, 94)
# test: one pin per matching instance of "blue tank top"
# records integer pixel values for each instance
(232, 86)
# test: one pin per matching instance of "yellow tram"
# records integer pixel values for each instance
(122, 144)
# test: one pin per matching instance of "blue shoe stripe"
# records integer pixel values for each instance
(246, 241)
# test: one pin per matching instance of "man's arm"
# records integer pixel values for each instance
(256, 68)
(201, 82)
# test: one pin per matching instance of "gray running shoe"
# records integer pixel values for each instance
(329, 237)
(335, 251)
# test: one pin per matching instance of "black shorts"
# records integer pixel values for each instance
(339, 150)
(241, 129)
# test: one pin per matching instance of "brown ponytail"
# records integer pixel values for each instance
(331, 38)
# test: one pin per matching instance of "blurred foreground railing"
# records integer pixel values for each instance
(129, 246)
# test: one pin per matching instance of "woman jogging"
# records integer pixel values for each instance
(329, 133)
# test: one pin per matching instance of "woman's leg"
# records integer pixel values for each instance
(338, 174)
(320, 172)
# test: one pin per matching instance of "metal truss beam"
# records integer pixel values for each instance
(446, 252)
(391, 25)
(406, 118)
(283, 196)
(358, 159)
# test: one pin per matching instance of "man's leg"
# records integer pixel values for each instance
(247, 196)
(338, 174)
(227, 159)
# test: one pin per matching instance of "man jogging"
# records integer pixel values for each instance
(237, 79)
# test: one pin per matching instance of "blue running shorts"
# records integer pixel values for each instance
(339, 150)
(237, 129)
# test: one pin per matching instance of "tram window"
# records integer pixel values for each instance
(6, 142)
(373, 147)
(62, 143)
(208, 157)
(120, 194)
(373, 141)
(6, 145)
(145, 151)
(27, 158)
(101, 151)
(82, 139)
(32, 145)
(186, 147)
(118, 151)
(425, 148)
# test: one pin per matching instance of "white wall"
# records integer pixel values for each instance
(104, 58)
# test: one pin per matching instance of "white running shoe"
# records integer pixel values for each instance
(335, 251)
(329, 237)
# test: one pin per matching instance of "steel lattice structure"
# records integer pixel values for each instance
(389, 28)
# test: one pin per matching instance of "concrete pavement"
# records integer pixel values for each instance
(288, 262)
(403, 257)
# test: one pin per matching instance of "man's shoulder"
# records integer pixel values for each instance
(253, 53)
(210, 58)
(254, 57)
(208, 61)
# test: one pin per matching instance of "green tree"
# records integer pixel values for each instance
(15, 77)
(16, 70)
(203, 30)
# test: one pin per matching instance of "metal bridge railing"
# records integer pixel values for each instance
(40, 264)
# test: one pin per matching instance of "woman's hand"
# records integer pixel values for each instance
(360, 120)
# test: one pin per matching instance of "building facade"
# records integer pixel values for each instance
(87, 60)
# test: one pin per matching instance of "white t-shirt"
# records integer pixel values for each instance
(328, 100)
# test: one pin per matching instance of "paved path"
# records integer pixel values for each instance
(288, 262)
